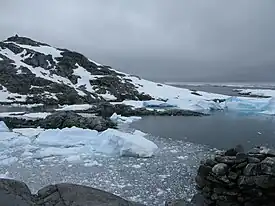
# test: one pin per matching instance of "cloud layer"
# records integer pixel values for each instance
(159, 39)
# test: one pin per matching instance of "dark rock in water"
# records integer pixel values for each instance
(200, 181)
(69, 119)
(203, 170)
(220, 169)
(17, 193)
(234, 151)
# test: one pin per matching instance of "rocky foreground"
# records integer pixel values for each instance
(14, 193)
(236, 178)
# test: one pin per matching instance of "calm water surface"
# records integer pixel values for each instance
(221, 130)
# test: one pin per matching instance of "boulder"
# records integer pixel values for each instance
(71, 194)
(13, 193)
(220, 169)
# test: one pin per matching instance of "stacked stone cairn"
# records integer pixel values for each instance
(235, 178)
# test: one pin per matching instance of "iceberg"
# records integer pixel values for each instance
(3, 127)
(243, 104)
(119, 143)
(270, 108)
(72, 141)
(66, 137)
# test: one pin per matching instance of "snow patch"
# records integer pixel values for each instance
(121, 119)
(75, 107)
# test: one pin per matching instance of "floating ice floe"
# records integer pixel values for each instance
(121, 119)
(72, 144)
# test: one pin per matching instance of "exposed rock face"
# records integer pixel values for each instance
(106, 109)
(13, 193)
(238, 178)
(58, 76)
(70, 119)
(61, 120)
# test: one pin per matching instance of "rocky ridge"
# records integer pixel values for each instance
(34, 72)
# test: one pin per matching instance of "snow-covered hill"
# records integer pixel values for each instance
(32, 72)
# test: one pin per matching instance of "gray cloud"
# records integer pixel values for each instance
(158, 39)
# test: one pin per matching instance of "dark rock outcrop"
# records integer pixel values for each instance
(106, 109)
(61, 120)
(14, 192)
(238, 178)
(70, 119)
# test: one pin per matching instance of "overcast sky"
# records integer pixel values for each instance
(166, 40)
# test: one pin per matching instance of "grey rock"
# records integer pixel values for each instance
(241, 165)
(269, 161)
(70, 194)
(259, 156)
(251, 169)
(70, 119)
(211, 162)
(226, 191)
(200, 181)
(232, 175)
(255, 150)
(265, 181)
(220, 169)
(204, 170)
(198, 200)
(246, 181)
(14, 193)
(253, 160)
(267, 151)
(229, 160)
(241, 156)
